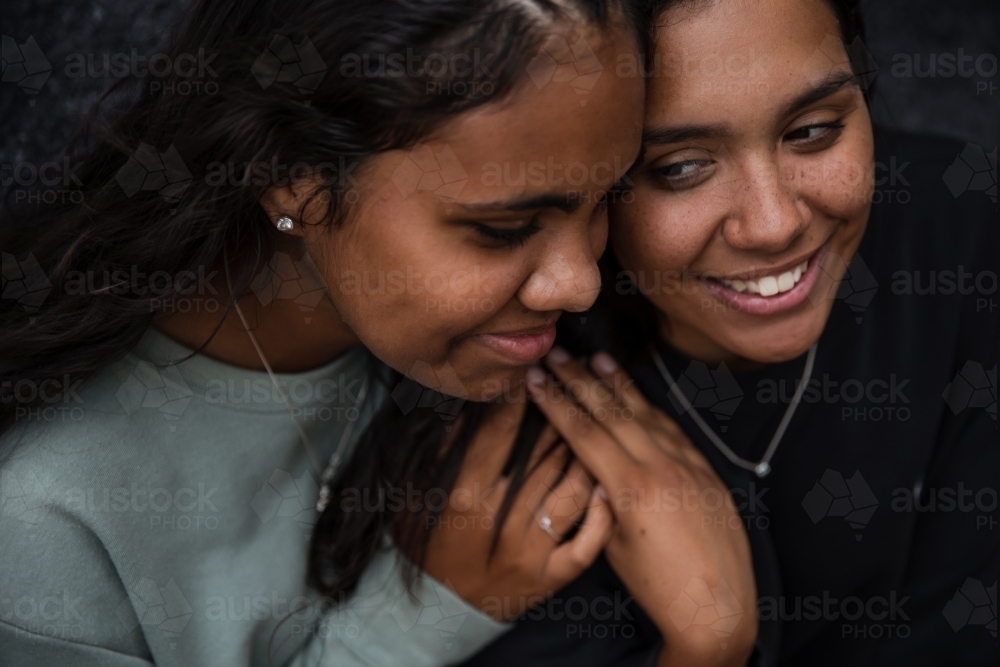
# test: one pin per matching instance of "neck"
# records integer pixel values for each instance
(696, 345)
(292, 340)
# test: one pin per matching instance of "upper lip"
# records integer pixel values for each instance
(768, 271)
(534, 331)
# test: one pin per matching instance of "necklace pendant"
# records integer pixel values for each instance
(762, 469)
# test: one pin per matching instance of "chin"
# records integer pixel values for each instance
(780, 342)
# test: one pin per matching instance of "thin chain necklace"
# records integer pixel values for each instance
(328, 473)
(763, 467)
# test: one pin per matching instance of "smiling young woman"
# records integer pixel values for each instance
(172, 511)
(810, 301)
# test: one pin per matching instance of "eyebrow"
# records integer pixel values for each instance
(820, 91)
(567, 203)
(660, 136)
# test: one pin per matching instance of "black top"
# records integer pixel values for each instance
(875, 537)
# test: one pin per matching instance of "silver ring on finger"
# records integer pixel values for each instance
(545, 523)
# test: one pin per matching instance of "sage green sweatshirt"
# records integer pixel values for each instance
(161, 515)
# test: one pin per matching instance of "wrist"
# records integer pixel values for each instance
(700, 645)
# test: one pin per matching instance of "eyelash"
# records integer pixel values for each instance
(832, 130)
(680, 182)
(510, 238)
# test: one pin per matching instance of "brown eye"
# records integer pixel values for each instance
(683, 174)
(815, 133)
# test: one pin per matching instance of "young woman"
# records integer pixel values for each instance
(170, 401)
(812, 303)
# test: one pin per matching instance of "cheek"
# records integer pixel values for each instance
(842, 183)
(659, 232)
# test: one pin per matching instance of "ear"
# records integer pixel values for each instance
(282, 200)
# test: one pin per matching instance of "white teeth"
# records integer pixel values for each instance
(769, 285)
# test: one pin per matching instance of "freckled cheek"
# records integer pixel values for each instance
(662, 235)
(840, 187)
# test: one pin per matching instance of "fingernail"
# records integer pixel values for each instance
(603, 363)
(558, 355)
(602, 493)
(535, 377)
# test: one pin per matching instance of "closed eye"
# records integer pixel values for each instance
(510, 237)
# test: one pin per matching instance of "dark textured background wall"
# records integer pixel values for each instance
(900, 32)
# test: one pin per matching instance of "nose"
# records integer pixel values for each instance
(565, 278)
(768, 214)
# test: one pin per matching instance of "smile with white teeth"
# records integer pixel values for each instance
(768, 285)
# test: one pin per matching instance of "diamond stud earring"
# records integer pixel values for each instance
(284, 224)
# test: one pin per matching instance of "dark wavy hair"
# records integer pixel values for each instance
(283, 84)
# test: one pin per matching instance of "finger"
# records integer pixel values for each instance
(600, 453)
(569, 560)
(491, 443)
(624, 387)
(605, 402)
(566, 497)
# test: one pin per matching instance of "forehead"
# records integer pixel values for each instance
(570, 105)
(740, 57)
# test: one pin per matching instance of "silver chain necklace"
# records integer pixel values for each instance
(326, 474)
(763, 467)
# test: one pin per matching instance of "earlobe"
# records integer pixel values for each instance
(281, 205)
(284, 205)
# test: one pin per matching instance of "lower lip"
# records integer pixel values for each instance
(754, 304)
(522, 349)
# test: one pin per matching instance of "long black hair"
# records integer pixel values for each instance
(171, 176)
